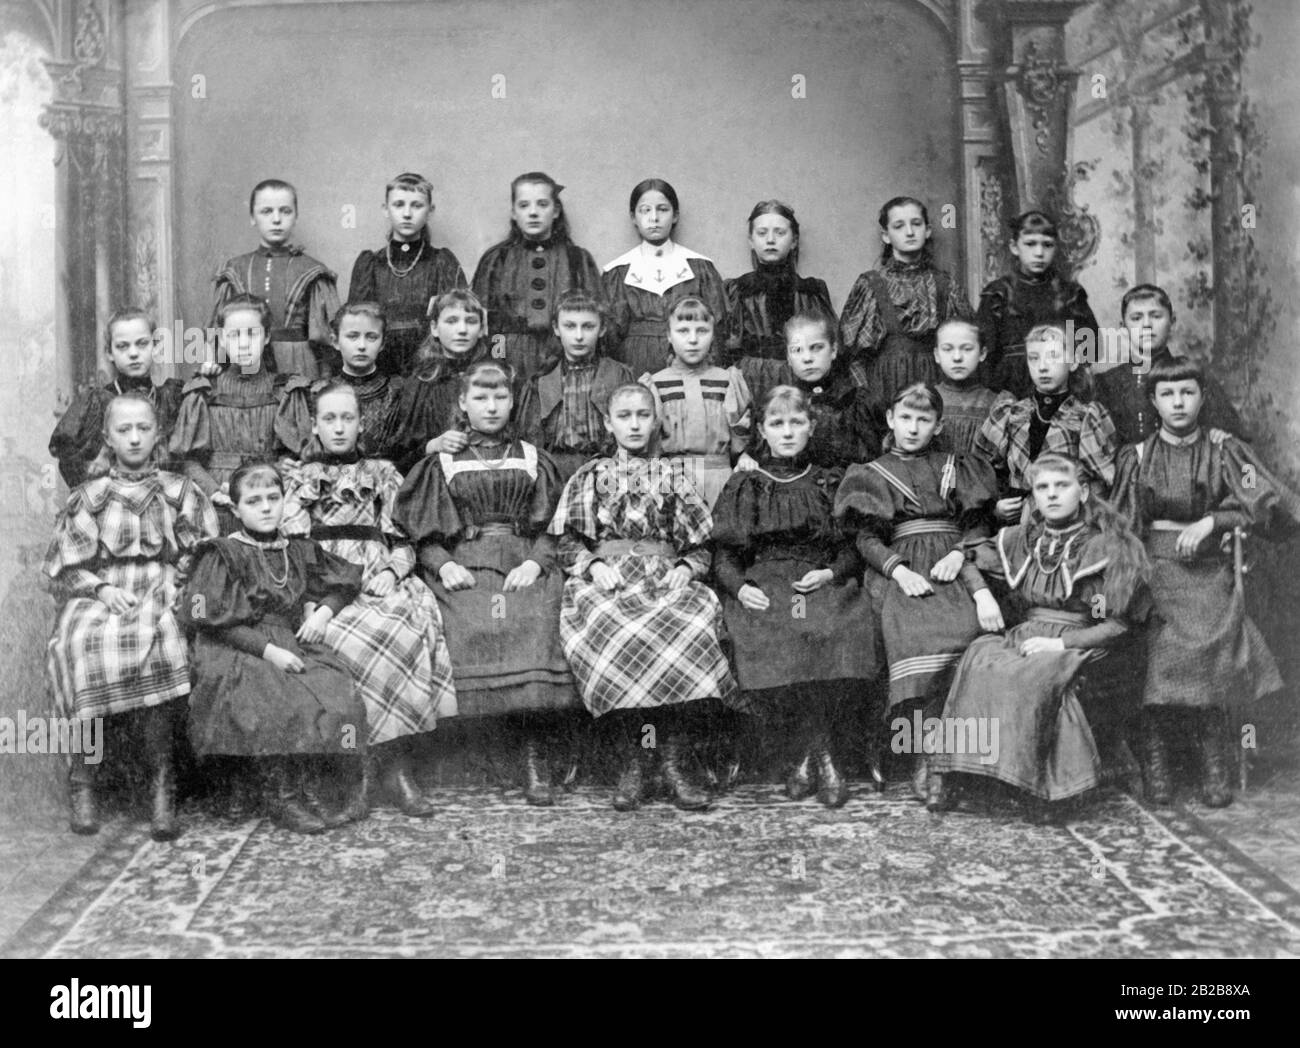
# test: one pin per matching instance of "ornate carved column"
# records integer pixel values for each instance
(151, 244)
(1035, 103)
(985, 229)
(86, 117)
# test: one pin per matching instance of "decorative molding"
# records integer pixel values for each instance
(992, 221)
(1042, 82)
(1078, 231)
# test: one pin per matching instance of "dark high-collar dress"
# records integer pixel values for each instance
(758, 305)
(79, 436)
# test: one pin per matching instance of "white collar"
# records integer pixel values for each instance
(657, 273)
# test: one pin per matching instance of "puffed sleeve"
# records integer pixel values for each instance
(1082, 314)
(714, 294)
(331, 580)
(293, 416)
(79, 435)
(1098, 446)
(528, 415)
(989, 318)
(738, 403)
(426, 512)
(448, 272)
(1125, 495)
(1219, 412)
(191, 441)
(1267, 506)
(196, 523)
(300, 494)
(976, 491)
(733, 349)
(216, 602)
(958, 303)
(546, 496)
(74, 545)
(994, 437)
(733, 519)
(322, 307)
(575, 520)
(1111, 624)
(362, 286)
(620, 312)
(861, 328)
(864, 507)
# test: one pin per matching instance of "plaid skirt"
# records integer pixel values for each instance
(1202, 648)
(1028, 705)
(100, 663)
(924, 637)
(643, 645)
(396, 652)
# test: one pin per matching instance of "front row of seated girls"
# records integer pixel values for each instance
(483, 585)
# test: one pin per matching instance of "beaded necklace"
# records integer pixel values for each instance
(388, 257)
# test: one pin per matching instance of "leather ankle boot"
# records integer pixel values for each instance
(537, 776)
(357, 806)
(400, 785)
(1216, 770)
(686, 795)
(832, 789)
(937, 794)
(287, 808)
(920, 777)
(1155, 760)
(631, 783)
(313, 797)
(162, 783)
(799, 783)
(83, 816)
(241, 790)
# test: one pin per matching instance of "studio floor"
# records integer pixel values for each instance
(757, 876)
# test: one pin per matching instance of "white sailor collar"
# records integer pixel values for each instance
(657, 273)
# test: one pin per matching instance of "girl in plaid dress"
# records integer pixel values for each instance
(891, 315)
(246, 413)
(704, 409)
(391, 636)
(639, 627)
(791, 585)
(1059, 416)
(265, 685)
(913, 511)
(119, 556)
(478, 519)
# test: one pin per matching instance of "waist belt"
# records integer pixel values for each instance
(357, 532)
(809, 552)
(274, 618)
(925, 527)
(1162, 542)
(288, 335)
(1066, 618)
(635, 548)
(702, 461)
(495, 527)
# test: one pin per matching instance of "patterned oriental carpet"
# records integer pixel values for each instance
(758, 876)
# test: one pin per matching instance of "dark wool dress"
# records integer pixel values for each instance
(758, 306)
(302, 297)
(1122, 390)
(771, 526)
(428, 406)
(243, 595)
(380, 397)
(638, 332)
(79, 436)
(915, 510)
(404, 279)
(965, 410)
(1030, 703)
(848, 417)
(1202, 648)
(486, 508)
(1010, 307)
(890, 320)
(237, 418)
(519, 282)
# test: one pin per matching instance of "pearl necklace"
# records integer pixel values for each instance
(784, 480)
(388, 257)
